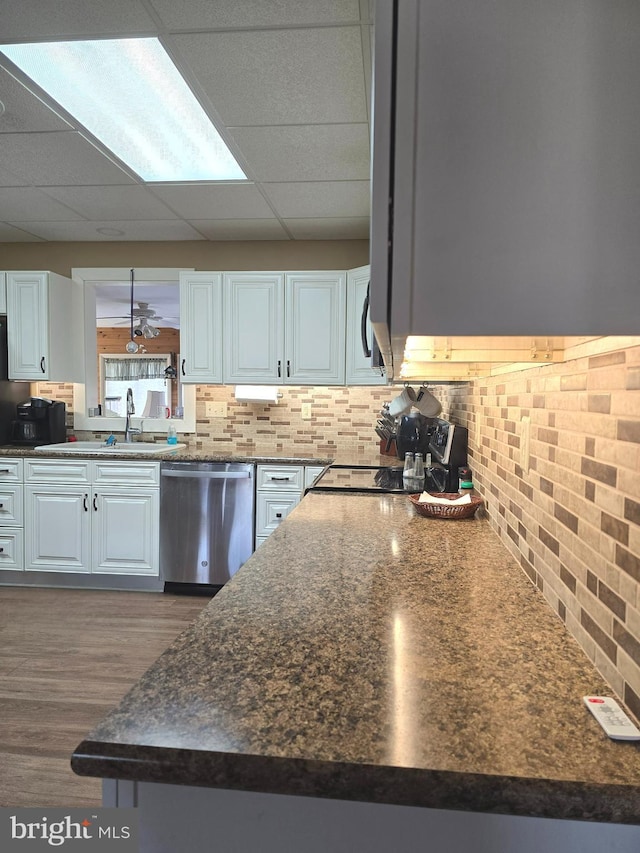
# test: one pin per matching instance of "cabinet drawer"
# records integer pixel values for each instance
(10, 470)
(280, 477)
(126, 473)
(310, 474)
(271, 510)
(11, 506)
(11, 549)
(57, 471)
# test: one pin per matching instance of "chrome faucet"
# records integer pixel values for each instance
(130, 431)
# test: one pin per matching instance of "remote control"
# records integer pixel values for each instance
(612, 718)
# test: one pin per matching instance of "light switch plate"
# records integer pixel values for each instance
(306, 411)
(215, 410)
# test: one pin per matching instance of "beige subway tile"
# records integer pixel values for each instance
(627, 403)
(614, 677)
(607, 378)
(629, 670)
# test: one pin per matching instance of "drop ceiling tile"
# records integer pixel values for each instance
(23, 111)
(33, 19)
(241, 229)
(126, 203)
(201, 14)
(9, 234)
(214, 201)
(319, 199)
(306, 153)
(329, 229)
(272, 77)
(57, 158)
(142, 230)
(28, 204)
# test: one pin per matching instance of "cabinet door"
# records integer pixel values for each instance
(125, 533)
(253, 328)
(57, 528)
(3, 293)
(315, 328)
(201, 327)
(358, 365)
(27, 325)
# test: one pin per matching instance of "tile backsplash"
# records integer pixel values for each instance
(555, 452)
(570, 514)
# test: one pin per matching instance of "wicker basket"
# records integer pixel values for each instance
(444, 511)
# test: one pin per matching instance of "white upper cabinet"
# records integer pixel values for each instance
(3, 293)
(284, 328)
(315, 328)
(201, 327)
(253, 327)
(359, 334)
(43, 327)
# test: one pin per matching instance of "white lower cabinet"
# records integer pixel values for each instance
(11, 515)
(92, 517)
(279, 489)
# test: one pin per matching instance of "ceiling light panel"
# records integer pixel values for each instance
(130, 96)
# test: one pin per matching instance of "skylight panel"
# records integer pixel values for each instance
(130, 96)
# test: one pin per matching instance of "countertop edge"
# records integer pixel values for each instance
(389, 785)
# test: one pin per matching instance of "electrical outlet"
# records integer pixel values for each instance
(306, 411)
(215, 410)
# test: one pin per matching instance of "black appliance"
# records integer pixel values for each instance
(39, 421)
(11, 393)
(413, 434)
(447, 444)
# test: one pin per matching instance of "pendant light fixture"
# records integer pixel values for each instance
(131, 347)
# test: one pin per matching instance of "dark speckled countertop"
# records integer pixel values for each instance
(210, 454)
(366, 653)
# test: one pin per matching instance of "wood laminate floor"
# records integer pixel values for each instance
(66, 658)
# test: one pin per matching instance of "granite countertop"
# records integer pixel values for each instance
(367, 653)
(209, 454)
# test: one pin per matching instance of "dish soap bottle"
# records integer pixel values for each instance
(172, 436)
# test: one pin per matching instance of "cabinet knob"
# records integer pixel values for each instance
(1, 550)
(278, 515)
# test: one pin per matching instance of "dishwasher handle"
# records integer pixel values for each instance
(208, 475)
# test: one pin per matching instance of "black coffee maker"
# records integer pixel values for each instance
(412, 434)
(444, 441)
(39, 421)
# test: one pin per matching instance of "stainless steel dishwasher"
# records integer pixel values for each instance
(206, 523)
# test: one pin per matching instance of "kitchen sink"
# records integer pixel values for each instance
(142, 448)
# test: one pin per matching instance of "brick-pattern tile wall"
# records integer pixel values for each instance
(342, 419)
(573, 519)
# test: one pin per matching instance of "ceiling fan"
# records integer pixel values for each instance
(140, 314)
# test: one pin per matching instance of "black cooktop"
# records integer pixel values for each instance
(365, 478)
